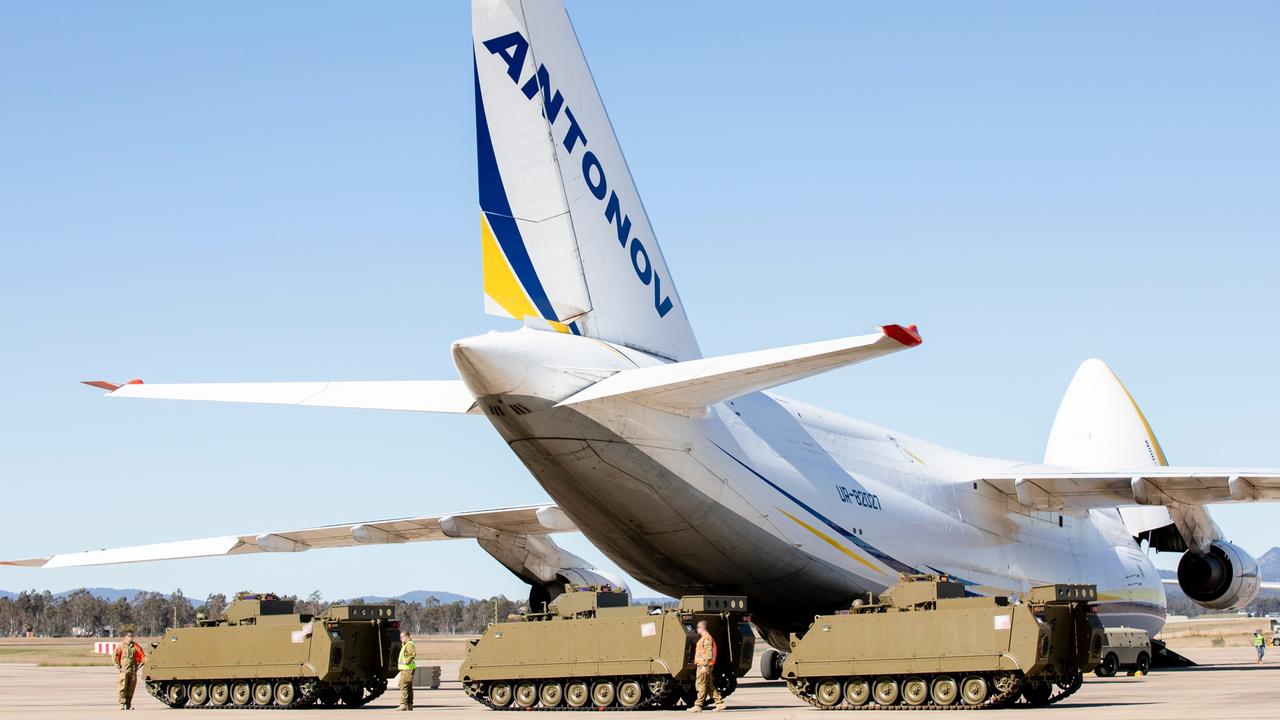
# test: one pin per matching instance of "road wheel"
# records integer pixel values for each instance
(1037, 693)
(329, 697)
(857, 691)
(576, 694)
(262, 693)
(551, 694)
(915, 690)
(286, 693)
(241, 693)
(175, 695)
(602, 694)
(1144, 663)
(885, 691)
(219, 694)
(1108, 666)
(974, 690)
(500, 694)
(526, 694)
(630, 693)
(943, 690)
(828, 692)
(198, 694)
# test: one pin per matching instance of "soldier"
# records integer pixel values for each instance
(408, 662)
(129, 657)
(704, 658)
(1259, 645)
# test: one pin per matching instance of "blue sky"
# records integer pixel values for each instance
(285, 191)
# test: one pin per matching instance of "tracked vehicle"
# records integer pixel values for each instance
(263, 655)
(926, 644)
(591, 648)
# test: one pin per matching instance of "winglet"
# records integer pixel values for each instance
(109, 387)
(908, 336)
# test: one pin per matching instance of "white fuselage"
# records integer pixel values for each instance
(801, 509)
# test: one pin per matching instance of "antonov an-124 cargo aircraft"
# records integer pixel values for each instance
(688, 471)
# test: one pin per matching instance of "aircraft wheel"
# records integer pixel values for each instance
(241, 693)
(915, 691)
(526, 694)
(219, 694)
(857, 691)
(198, 694)
(828, 692)
(576, 694)
(771, 664)
(885, 691)
(630, 693)
(602, 694)
(550, 694)
(500, 694)
(1037, 693)
(286, 693)
(974, 690)
(943, 690)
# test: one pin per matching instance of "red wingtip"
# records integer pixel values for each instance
(136, 381)
(103, 384)
(909, 335)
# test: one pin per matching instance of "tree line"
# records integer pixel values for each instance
(81, 613)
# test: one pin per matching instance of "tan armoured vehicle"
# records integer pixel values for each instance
(592, 649)
(927, 644)
(263, 655)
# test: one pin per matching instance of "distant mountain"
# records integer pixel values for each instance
(108, 594)
(113, 594)
(420, 596)
(1269, 565)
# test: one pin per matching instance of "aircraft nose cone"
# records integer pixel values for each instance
(489, 365)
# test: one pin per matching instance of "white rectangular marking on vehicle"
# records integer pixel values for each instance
(1002, 622)
(648, 629)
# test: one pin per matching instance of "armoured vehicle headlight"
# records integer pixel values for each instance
(334, 634)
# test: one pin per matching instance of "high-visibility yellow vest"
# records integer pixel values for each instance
(408, 656)
(1258, 641)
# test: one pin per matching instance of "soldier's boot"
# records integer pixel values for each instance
(695, 708)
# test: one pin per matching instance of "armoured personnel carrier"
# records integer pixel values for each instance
(261, 654)
(925, 644)
(592, 649)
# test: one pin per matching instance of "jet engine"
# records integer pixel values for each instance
(1225, 578)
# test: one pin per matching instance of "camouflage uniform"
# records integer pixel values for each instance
(408, 662)
(704, 658)
(127, 658)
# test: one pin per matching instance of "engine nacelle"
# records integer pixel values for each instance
(1225, 578)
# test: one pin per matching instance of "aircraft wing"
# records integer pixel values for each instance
(444, 396)
(1157, 485)
(531, 520)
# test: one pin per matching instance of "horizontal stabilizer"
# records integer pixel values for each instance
(1043, 489)
(689, 387)
(443, 396)
(532, 520)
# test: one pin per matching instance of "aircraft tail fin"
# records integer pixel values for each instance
(1099, 425)
(565, 237)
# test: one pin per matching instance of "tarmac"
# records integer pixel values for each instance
(1228, 684)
